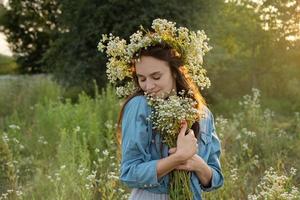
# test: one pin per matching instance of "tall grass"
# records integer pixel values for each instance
(19, 95)
(52, 148)
(257, 143)
(8, 65)
(58, 146)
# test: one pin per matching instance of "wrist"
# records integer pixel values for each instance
(179, 157)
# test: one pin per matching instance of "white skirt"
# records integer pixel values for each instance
(140, 194)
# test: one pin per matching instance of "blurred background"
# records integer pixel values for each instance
(58, 114)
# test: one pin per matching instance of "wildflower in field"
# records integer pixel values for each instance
(5, 138)
(256, 160)
(77, 129)
(108, 124)
(293, 171)
(57, 175)
(238, 137)
(4, 196)
(251, 102)
(234, 174)
(221, 123)
(245, 146)
(42, 140)
(16, 140)
(81, 170)
(15, 127)
(19, 193)
(268, 114)
(248, 133)
(275, 186)
(112, 175)
(105, 152)
(91, 178)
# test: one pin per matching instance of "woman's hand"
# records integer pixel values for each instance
(198, 165)
(186, 144)
(192, 164)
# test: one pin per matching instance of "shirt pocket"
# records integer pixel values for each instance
(204, 146)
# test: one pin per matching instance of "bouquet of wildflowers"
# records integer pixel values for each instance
(166, 117)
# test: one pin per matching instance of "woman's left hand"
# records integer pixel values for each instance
(198, 165)
(192, 164)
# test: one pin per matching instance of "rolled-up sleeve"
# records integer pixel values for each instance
(138, 170)
(214, 158)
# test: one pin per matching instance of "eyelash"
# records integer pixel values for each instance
(155, 78)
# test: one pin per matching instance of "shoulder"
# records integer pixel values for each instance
(206, 114)
(206, 121)
(137, 100)
(137, 104)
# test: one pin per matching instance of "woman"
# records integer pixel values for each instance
(146, 161)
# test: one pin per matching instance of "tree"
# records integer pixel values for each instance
(30, 26)
(248, 53)
(74, 58)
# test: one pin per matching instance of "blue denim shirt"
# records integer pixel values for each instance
(142, 148)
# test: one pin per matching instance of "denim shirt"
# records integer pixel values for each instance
(142, 148)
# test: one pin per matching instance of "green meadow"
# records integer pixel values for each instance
(58, 127)
(54, 148)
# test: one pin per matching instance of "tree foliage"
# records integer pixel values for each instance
(255, 43)
(74, 57)
(30, 26)
(246, 54)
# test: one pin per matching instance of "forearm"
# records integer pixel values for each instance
(166, 165)
(204, 172)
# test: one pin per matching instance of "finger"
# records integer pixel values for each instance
(183, 128)
(191, 132)
(172, 150)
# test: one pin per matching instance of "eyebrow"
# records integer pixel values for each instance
(154, 73)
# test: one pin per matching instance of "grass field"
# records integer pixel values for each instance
(7, 65)
(51, 148)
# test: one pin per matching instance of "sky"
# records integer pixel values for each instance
(4, 46)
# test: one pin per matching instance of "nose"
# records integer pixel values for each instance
(150, 85)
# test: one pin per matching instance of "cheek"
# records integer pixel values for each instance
(142, 85)
(167, 83)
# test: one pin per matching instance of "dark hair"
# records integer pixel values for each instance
(183, 82)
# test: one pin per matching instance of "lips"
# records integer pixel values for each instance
(153, 93)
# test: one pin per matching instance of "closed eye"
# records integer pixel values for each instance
(156, 77)
(142, 79)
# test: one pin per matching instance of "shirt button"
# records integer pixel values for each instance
(150, 185)
(152, 141)
(145, 185)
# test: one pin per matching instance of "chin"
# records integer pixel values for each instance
(162, 94)
(155, 94)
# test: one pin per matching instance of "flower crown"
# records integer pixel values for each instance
(190, 45)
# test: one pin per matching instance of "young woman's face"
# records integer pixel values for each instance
(154, 76)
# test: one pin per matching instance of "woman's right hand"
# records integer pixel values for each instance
(186, 144)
